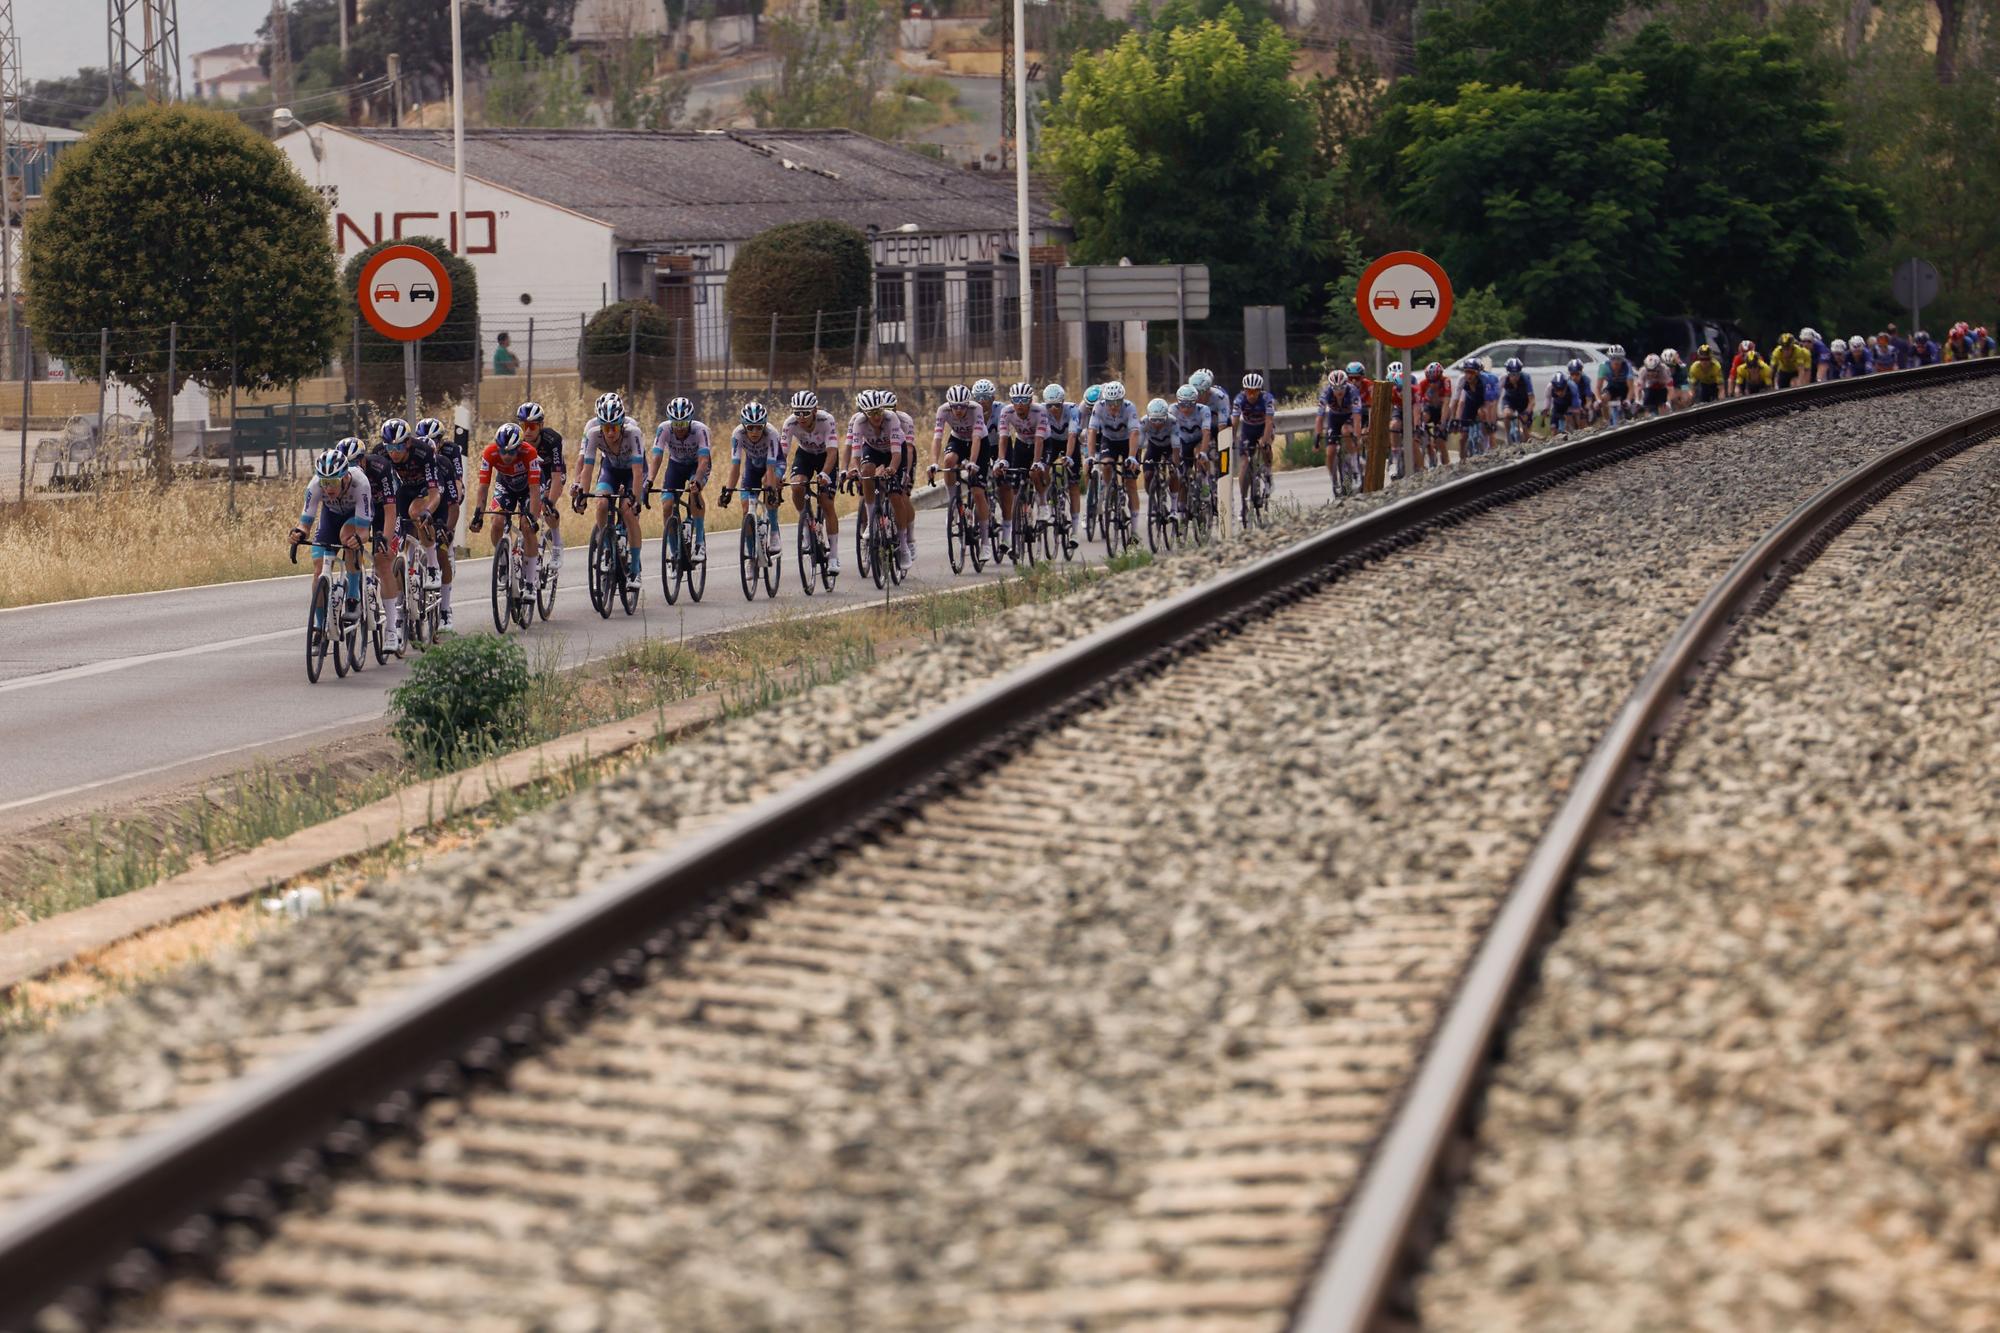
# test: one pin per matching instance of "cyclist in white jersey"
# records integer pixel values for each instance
(1065, 438)
(906, 508)
(874, 452)
(810, 434)
(1112, 422)
(1024, 430)
(612, 458)
(338, 512)
(959, 445)
(1157, 446)
(1216, 400)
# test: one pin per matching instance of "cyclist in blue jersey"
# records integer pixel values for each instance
(1468, 406)
(612, 459)
(1194, 429)
(1335, 430)
(338, 513)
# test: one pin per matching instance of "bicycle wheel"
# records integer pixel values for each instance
(808, 559)
(345, 629)
(520, 597)
(629, 585)
(1045, 528)
(890, 549)
(317, 636)
(955, 538)
(975, 538)
(747, 558)
(1090, 507)
(697, 570)
(501, 583)
(545, 591)
(600, 572)
(863, 543)
(774, 560)
(401, 569)
(672, 567)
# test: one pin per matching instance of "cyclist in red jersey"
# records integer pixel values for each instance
(520, 471)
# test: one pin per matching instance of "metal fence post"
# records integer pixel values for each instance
(813, 370)
(27, 397)
(632, 355)
(232, 423)
(530, 394)
(771, 357)
(680, 352)
(854, 370)
(166, 463)
(103, 368)
(292, 432)
(354, 388)
(728, 349)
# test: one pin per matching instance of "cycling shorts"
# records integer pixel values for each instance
(1707, 393)
(332, 526)
(1785, 378)
(1115, 448)
(1617, 389)
(409, 493)
(1157, 454)
(1434, 412)
(1336, 422)
(611, 480)
(679, 472)
(753, 474)
(1250, 432)
(877, 458)
(1516, 402)
(1020, 454)
(509, 499)
(808, 463)
(1656, 395)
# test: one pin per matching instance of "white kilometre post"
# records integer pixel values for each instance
(1021, 180)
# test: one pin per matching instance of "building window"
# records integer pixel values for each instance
(930, 310)
(891, 314)
(980, 323)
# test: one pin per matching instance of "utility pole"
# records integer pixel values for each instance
(14, 154)
(1021, 182)
(396, 89)
(341, 5)
(152, 60)
(281, 54)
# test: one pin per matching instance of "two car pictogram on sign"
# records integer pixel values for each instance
(419, 291)
(1392, 301)
(405, 292)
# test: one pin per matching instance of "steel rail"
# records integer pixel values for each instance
(115, 1226)
(1374, 1237)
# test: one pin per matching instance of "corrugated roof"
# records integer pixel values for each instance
(661, 188)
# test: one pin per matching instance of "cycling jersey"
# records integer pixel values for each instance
(517, 473)
(449, 460)
(1251, 415)
(1472, 392)
(615, 447)
(1064, 424)
(1190, 424)
(1753, 373)
(1157, 437)
(354, 503)
(677, 447)
(815, 436)
(1791, 358)
(1679, 373)
(1114, 422)
(1923, 353)
(1491, 383)
(876, 440)
(1516, 392)
(1658, 377)
(1433, 391)
(1218, 408)
(548, 443)
(1705, 370)
(1337, 405)
(756, 454)
(1617, 377)
(1020, 429)
(415, 475)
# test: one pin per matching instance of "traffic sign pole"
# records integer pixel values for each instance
(410, 377)
(1388, 298)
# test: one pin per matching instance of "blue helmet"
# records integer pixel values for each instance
(753, 414)
(508, 438)
(396, 433)
(430, 430)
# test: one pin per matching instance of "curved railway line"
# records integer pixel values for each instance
(630, 1070)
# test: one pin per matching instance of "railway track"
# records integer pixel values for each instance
(536, 1114)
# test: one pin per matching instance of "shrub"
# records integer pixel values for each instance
(798, 269)
(607, 347)
(464, 698)
(449, 357)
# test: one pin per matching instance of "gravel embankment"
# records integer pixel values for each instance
(1002, 1128)
(1757, 1086)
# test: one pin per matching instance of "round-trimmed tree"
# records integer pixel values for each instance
(172, 215)
(630, 346)
(799, 270)
(449, 357)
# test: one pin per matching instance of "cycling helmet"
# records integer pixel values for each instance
(430, 430)
(1187, 393)
(508, 438)
(1203, 380)
(1785, 340)
(1092, 394)
(957, 396)
(350, 450)
(680, 409)
(753, 414)
(984, 389)
(1652, 361)
(331, 464)
(1746, 346)
(1575, 367)
(1513, 365)
(529, 413)
(805, 400)
(871, 401)
(1052, 394)
(1157, 409)
(1809, 334)
(1704, 350)
(1253, 381)
(1395, 369)
(1338, 379)
(1021, 392)
(888, 397)
(611, 409)
(396, 433)
(1671, 357)
(1839, 345)
(1356, 368)
(1114, 392)
(1433, 371)
(1920, 336)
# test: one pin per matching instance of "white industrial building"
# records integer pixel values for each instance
(561, 222)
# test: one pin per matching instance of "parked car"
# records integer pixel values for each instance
(1541, 358)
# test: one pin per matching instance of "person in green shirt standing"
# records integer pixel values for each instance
(504, 360)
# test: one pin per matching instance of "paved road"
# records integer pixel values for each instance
(110, 698)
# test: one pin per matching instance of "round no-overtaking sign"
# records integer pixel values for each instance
(405, 292)
(1404, 299)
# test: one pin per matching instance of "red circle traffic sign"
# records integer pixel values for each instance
(405, 292)
(1404, 299)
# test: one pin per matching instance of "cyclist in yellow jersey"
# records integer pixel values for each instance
(1705, 374)
(1753, 373)
(1791, 362)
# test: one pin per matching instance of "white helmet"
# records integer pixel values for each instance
(1202, 380)
(805, 400)
(1809, 334)
(958, 396)
(1157, 409)
(1338, 379)
(1652, 361)
(1671, 357)
(1114, 392)
(984, 389)
(1857, 341)
(331, 464)
(1021, 392)
(1617, 352)
(611, 409)
(1839, 345)
(1395, 368)
(680, 409)
(1052, 394)
(1253, 381)
(1187, 393)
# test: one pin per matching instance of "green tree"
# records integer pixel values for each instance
(831, 74)
(420, 32)
(635, 98)
(176, 215)
(1193, 145)
(67, 101)
(798, 270)
(450, 356)
(524, 86)
(631, 346)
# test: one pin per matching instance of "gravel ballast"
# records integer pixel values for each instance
(1423, 742)
(1756, 1088)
